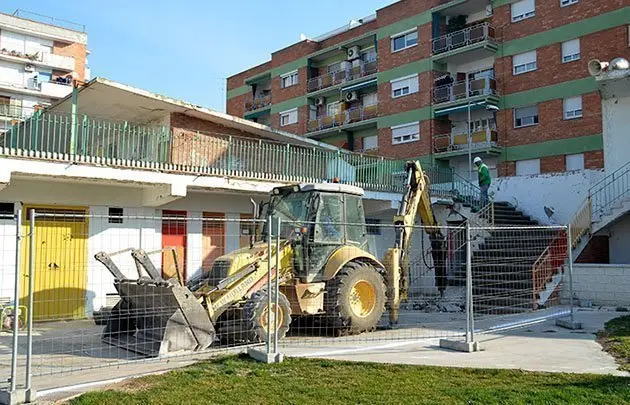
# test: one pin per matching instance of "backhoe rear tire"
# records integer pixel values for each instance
(255, 316)
(355, 299)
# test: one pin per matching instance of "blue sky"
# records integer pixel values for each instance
(186, 48)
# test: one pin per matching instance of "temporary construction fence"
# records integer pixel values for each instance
(79, 311)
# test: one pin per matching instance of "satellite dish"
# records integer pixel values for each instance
(303, 37)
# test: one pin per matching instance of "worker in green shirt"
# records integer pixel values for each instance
(484, 179)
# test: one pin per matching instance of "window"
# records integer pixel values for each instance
(527, 167)
(523, 9)
(44, 77)
(571, 50)
(289, 79)
(523, 63)
(370, 99)
(373, 226)
(115, 215)
(575, 162)
(404, 41)
(370, 142)
(333, 108)
(6, 210)
(572, 107)
(564, 3)
(405, 133)
(355, 230)
(329, 219)
(525, 116)
(369, 55)
(403, 86)
(288, 117)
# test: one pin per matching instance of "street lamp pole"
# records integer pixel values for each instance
(470, 175)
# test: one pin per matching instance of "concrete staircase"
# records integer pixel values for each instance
(503, 264)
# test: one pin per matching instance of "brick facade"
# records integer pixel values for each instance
(73, 50)
(550, 71)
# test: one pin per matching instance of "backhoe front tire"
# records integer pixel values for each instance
(255, 316)
(355, 299)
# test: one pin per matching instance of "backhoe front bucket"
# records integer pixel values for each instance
(155, 317)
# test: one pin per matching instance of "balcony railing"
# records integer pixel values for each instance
(254, 103)
(342, 76)
(346, 117)
(464, 37)
(483, 139)
(49, 59)
(484, 86)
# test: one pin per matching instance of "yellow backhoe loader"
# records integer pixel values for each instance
(325, 269)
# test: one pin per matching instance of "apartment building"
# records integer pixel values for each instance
(38, 61)
(443, 80)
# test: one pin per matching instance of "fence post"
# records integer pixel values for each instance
(269, 232)
(571, 322)
(469, 288)
(277, 290)
(30, 393)
(469, 345)
(16, 298)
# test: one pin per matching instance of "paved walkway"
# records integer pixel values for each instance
(539, 347)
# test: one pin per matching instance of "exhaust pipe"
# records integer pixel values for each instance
(252, 230)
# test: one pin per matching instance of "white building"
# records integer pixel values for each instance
(37, 64)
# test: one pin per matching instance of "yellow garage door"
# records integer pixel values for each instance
(60, 265)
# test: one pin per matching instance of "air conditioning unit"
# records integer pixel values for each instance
(351, 96)
(354, 52)
(320, 101)
(29, 68)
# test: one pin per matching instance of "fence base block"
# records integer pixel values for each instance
(264, 357)
(567, 323)
(19, 396)
(458, 345)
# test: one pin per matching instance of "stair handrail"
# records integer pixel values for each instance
(464, 185)
(581, 224)
(541, 272)
(610, 189)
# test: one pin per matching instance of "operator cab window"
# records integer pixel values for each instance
(356, 231)
(329, 224)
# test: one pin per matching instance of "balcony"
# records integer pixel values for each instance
(58, 62)
(480, 37)
(475, 92)
(484, 140)
(259, 102)
(343, 119)
(54, 89)
(342, 76)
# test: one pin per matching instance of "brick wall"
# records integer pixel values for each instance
(388, 105)
(388, 59)
(236, 106)
(550, 70)
(421, 147)
(76, 51)
(186, 123)
(238, 79)
(298, 128)
(549, 15)
(404, 9)
(552, 164)
(594, 159)
(279, 94)
(506, 169)
(597, 251)
(552, 124)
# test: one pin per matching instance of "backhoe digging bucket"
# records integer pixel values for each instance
(155, 317)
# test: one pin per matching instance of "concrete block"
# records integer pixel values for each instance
(19, 396)
(260, 354)
(458, 345)
(567, 323)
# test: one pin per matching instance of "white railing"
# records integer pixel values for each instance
(465, 89)
(349, 116)
(48, 59)
(485, 138)
(464, 37)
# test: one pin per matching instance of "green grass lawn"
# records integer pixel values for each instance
(239, 380)
(616, 340)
